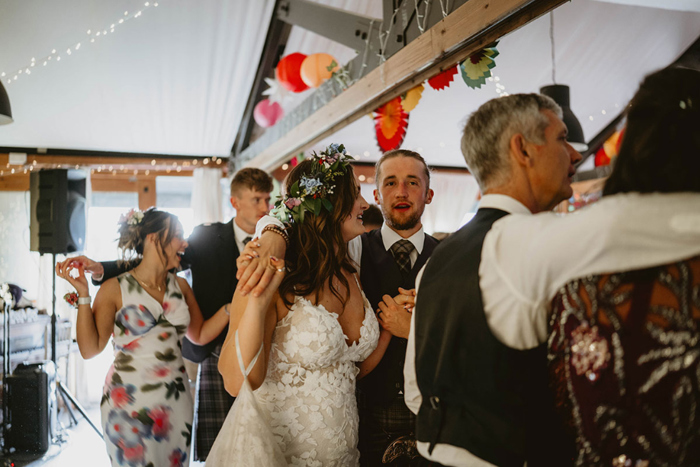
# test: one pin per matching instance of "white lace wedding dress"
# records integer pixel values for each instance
(305, 412)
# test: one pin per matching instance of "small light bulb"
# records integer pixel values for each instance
(496, 78)
(590, 117)
(77, 46)
(126, 13)
(361, 178)
(206, 161)
(53, 51)
(179, 169)
(147, 172)
(69, 51)
(603, 112)
(33, 59)
(2, 75)
(146, 3)
(153, 162)
(285, 166)
(58, 58)
(121, 21)
(98, 33)
(366, 153)
(89, 31)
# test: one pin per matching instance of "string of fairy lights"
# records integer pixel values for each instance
(69, 50)
(114, 169)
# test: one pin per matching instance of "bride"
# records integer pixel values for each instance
(301, 344)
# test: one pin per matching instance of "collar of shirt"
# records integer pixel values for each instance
(389, 237)
(240, 235)
(504, 203)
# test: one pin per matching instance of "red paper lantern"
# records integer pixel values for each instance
(317, 68)
(601, 157)
(266, 113)
(288, 72)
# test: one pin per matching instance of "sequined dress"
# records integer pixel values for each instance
(307, 402)
(624, 352)
(146, 406)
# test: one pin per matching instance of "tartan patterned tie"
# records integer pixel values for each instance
(402, 255)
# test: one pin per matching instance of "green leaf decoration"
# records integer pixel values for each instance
(177, 295)
(151, 387)
(181, 329)
(317, 207)
(105, 398)
(327, 204)
(332, 65)
(167, 356)
(150, 464)
(127, 368)
(116, 378)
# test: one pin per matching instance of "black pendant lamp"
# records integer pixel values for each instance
(560, 94)
(5, 110)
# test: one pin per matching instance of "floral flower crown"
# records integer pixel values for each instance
(310, 192)
(133, 217)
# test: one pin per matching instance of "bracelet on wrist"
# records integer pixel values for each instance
(84, 300)
(278, 230)
(226, 310)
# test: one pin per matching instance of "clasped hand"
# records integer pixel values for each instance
(394, 313)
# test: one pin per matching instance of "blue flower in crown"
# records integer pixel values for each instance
(310, 193)
(309, 184)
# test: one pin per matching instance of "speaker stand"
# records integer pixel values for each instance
(7, 461)
(60, 388)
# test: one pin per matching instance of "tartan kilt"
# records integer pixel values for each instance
(379, 426)
(213, 405)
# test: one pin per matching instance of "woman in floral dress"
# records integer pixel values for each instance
(146, 406)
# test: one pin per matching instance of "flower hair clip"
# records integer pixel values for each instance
(133, 217)
(310, 192)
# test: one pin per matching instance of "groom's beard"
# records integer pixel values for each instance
(406, 223)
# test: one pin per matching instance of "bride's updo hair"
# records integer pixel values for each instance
(135, 226)
(317, 252)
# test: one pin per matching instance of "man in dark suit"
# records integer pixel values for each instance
(389, 258)
(211, 257)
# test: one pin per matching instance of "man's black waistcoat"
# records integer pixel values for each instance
(477, 393)
(381, 276)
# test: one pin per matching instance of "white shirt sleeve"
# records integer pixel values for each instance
(264, 222)
(412, 394)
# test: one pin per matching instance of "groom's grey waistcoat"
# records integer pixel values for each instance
(477, 393)
(381, 276)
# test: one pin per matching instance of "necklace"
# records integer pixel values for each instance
(146, 284)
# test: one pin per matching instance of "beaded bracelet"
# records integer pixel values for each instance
(278, 230)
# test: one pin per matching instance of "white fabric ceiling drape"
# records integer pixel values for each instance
(174, 80)
(206, 196)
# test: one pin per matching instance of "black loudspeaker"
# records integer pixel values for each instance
(58, 213)
(31, 402)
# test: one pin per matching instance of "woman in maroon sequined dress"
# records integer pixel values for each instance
(624, 348)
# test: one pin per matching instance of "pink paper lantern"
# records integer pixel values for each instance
(267, 113)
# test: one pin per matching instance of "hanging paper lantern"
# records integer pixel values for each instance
(267, 113)
(443, 80)
(288, 72)
(601, 157)
(477, 67)
(410, 100)
(316, 68)
(390, 125)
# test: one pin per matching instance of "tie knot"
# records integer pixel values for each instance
(246, 240)
(402, 246)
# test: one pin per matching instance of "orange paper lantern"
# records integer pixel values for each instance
(288, 72)
(317, 68)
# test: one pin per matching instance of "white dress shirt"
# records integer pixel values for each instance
(525, 259)
(239, 234)
(389, 237)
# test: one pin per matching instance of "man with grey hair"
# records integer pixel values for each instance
(475, 372)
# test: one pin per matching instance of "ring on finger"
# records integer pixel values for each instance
(282, 269)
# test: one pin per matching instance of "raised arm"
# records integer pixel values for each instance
(255, 319)
(253, 274)
(95, 322)
(101, 272)
(199, 331)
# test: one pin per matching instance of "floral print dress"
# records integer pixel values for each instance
(146, 406)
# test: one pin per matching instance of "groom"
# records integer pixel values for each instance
(389, 258)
